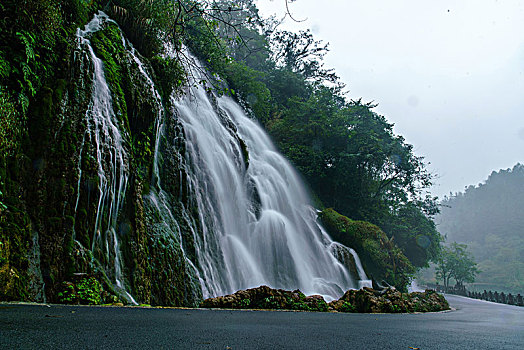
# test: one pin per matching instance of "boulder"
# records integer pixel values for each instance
(264, 297)
(389, 300)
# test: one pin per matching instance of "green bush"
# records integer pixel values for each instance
(381, 258)
(347, 307)
(87, 291)
(170, 74)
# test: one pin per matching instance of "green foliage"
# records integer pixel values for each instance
(10, 123)
(201, 38)
(456, 262)
(347, 307)
(251, 88)
(381, 258)
(15, 234)
(414, 232)
(145, 22)
(35, 39)
(87, 291)
(488, 218)
(301, 53)
(270, 303)
(395, 308)
(170, 74)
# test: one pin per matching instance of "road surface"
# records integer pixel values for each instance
(473, 325)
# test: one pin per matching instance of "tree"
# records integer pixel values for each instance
(490, 215)
(301, 53)
(456, 262)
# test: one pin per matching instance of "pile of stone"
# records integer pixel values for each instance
(264, 297)
(389, 300)
(366, 300)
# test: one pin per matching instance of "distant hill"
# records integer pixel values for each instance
(489, 218)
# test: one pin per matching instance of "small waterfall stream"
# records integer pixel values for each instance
(104, 133)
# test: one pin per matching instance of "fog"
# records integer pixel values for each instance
(448, 74)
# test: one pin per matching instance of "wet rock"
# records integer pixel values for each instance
(389, 300)
(366, 300)
(264, 297)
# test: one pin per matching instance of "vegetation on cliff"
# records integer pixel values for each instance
(381, 258)
(36, 44)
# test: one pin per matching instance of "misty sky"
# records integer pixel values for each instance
(448, 74)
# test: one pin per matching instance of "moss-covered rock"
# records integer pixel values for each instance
(381, 258)
(264, 297)
(366, 300)
(389, 300)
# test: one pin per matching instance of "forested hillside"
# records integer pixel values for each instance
(488, 218)
(102, 186)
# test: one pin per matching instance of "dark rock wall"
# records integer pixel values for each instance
(45, 241)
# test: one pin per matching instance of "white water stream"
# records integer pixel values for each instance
(259, 227)
(104, 133)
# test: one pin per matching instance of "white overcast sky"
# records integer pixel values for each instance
(448, 74)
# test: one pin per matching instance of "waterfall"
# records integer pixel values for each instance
(257, 222)
(103, 132)
(232, 207)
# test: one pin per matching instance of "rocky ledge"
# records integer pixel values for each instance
(368, 300)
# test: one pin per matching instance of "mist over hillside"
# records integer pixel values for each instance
(488, 218)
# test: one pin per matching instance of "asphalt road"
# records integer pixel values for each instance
(474, 325)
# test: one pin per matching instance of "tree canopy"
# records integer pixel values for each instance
(456, 262)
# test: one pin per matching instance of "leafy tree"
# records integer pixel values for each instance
(301, 53)
(456, 262)
(355, 163)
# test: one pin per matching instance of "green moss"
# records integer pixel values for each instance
(15, 235)
(380, 256)
(169, 73)
(87, 291)
(108, 46)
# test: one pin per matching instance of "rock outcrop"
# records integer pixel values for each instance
(366, 300)
(389, 300)
(264, 297)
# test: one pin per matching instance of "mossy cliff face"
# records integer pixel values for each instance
(51, 189)
(380, 256)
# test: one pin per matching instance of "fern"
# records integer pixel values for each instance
(28, 40)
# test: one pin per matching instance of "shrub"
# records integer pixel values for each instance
(87, 291)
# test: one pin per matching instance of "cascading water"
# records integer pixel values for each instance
(103, 132)
(237, 214)
(257, 224)
(349, 257)
(157, 199)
